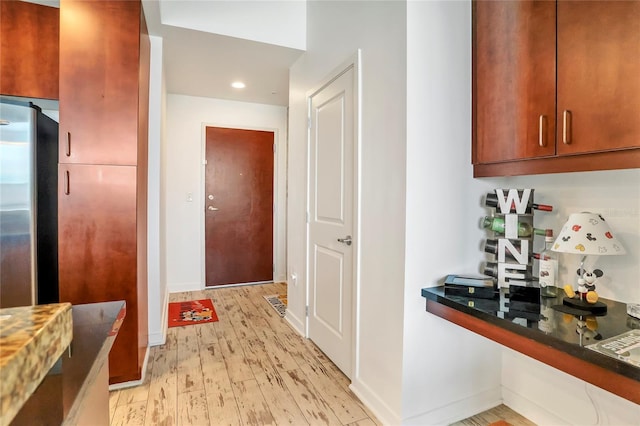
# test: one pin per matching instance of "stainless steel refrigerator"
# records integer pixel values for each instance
(28, 205)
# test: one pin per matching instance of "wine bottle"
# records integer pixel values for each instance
(491, 269)
(491, 200)
(548, 268)
(491, 246)
(496, 224)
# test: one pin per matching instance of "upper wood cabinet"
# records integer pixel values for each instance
(548, 100)
(598, 75)
(515, 80)
(28, 50)
(99, 79)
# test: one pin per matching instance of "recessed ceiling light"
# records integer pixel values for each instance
(238, 85)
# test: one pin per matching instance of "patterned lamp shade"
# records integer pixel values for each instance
(587, 233)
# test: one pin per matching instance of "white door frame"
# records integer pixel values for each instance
(353, 62)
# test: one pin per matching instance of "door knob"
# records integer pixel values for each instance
(346, 240)
(213, 209)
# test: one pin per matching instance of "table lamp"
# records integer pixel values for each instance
(586, 234)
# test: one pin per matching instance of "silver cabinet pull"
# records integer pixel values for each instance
(566, 127)
(541, 131)
(346, 240)
(213, 209)
(68, 144)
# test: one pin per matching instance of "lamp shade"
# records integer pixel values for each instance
(587, 233)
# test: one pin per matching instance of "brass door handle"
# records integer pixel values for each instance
(213, 209)
(566, 127)
(541, 130)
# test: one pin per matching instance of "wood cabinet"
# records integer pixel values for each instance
(28, 50)
(104, 95)
(548, 100)
(99, 45)
(598, 76)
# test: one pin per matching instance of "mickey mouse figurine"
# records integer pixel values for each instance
(586, 286)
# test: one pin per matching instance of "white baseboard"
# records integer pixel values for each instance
(532, 411)
(458, 410)
(160, 337)
(295, 322)
(377, 406)
(133, 383)
(188, 286)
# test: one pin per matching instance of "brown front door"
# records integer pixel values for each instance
(238, 206)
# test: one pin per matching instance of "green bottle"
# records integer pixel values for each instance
(496, 224)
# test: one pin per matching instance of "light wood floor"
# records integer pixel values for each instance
(249, 368)
(496, 415)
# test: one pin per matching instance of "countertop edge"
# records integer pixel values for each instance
(101, 358)
(27, 367)
(606, 372)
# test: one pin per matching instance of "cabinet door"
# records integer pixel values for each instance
(29, 46)
(598, 75)
(97, 248)
(99, 49)
(514, 78)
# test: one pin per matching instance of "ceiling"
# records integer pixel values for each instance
(200, 63)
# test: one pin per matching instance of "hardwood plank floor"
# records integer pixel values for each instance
(249, 368)
(500, 416)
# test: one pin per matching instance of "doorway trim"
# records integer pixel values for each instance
(279, 201)
(354, 61)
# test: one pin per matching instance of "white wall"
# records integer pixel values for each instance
(281, 23)
(420, 211)
(448, 373)
(156, 278)
(335, 30)
(186, 117)
(438, 151)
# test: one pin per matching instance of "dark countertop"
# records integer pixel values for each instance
(59, 396)
(553, 327)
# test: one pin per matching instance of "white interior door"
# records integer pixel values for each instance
(332, 242)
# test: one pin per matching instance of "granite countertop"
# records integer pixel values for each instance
(65, 387)
(32, 338)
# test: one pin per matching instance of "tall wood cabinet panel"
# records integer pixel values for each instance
(531, 116)
(98, 246)
(104, 96)
(28, 50)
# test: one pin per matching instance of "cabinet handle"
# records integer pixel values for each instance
(66, 183)
(541, 131)
(566, 127)
(68, 144)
